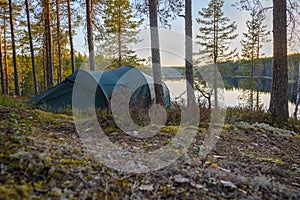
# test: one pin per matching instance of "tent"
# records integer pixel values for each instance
(102, 86)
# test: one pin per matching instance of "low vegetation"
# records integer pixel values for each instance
(42, 157)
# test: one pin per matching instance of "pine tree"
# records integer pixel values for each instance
(90, 32)
(120, 30)
(31, 49)
(155, 53)
(16, 72)
(279, 94)
(1, 65)
(49, 45)
(215, 33)
(71, 35)
(252, 44)
(189, 53)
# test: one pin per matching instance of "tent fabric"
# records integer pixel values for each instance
(118, 82)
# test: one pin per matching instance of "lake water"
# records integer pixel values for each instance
(232, 96)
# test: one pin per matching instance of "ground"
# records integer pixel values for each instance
(41, 157)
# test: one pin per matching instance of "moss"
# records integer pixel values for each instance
(265, 159)
(170, 129)
(8, 101)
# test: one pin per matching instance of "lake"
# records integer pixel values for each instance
(232, 95)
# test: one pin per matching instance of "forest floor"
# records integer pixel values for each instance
(41, 157)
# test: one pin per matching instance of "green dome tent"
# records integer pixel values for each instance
(99, 87)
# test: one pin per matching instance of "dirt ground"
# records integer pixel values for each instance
(42, 157)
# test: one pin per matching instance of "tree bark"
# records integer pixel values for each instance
(90, 33)
(49, 59)
(16, 73)
(44, 64)
(58, 42)
(36, 90)
(189, 53)
(1, 65)
(119, 38)
(5, 53)
(216, 53)
(279, 93)
(156, 66)
(71, 36)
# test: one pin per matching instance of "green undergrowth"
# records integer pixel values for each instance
(41, 158)
(252, 116)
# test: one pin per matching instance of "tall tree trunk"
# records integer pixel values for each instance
(1, 65)
(36, 90)
(58, 42)
(156, 67)
(44, 64)
(252, 82)
(71, 36)
(90, 33)
(189, 53)
(49, 60)
(279, 93)
(216, 42)
(5, 53)
(16, 73)
(298, 92)
(119, 38)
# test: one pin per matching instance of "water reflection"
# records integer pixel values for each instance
(232, 93)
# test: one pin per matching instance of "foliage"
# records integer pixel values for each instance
(168, 10)
(215, 33)
(119, 31)
(252, 44)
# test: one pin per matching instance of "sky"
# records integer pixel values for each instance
(172, 41)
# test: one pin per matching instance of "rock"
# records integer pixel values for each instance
(146, 187)
(180, 179)
(228, 184)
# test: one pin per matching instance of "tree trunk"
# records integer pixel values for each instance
(5, 53)
(49, 60)
(279, 93)
(298, 93)
(58, 42)
(44, 64)
(156, 67)
(71, 36)
(36, 91)
(16, 73)
(216, 42)
(1, 65)
(189, 53)
(90, 33)
(119, 39)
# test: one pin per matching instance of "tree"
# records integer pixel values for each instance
(16, 73)
(58, 41)
(155, 52)
(1, 65)
(120, 29)
(279, 93)
(5, 52)
(252, 44)
(49, 58)
(215, 33)
(31, 49)
(164, 11)
(90, 34)
(71, 35)
(189, 52)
